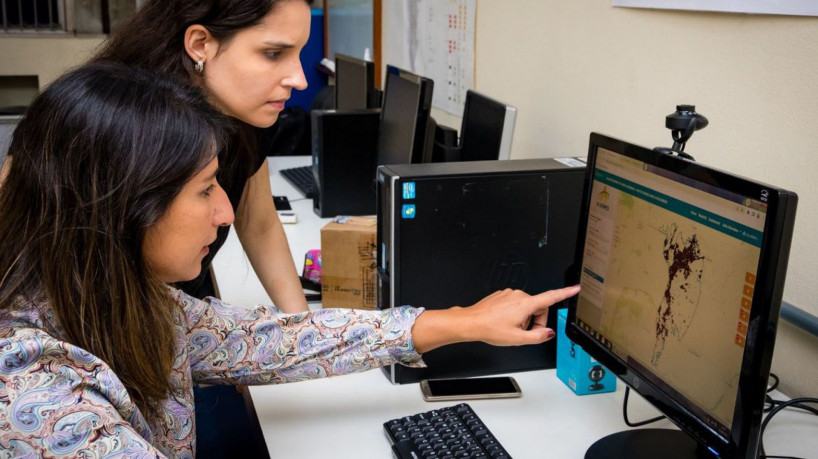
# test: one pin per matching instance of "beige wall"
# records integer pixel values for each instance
(45, 57)
(572, 67)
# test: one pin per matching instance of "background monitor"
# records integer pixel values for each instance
(487, 129)
(354, 83)
(407, 128)
(682, 271)
(7, 125)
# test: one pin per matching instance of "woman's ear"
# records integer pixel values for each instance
(198, 42)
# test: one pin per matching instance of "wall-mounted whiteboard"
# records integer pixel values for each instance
(787, 7)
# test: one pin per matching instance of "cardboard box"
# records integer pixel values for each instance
(348, 277)
(578, 370)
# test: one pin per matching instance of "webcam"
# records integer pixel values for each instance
(596, 374)
(682, 124)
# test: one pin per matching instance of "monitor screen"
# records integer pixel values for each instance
(682, 271)
(405, 135)
(7, 125)
(354, 83)
(487, 129)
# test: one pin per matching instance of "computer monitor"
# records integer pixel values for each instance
(487, 129)
(682, 270)
(407, 128)
(7, 125)
(354, 83)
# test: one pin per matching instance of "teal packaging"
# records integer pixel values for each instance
(578, 370)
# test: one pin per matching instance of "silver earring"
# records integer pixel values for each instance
(199, 66)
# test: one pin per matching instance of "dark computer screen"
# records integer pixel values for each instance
(682, 270)
(487, 129)
(354, 83)
(399, 118)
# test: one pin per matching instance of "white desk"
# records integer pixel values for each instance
(343, 416)
(237, 282)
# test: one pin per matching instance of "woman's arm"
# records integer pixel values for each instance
(265, 243)
(500, 319)
(260, 346)
(233, 345)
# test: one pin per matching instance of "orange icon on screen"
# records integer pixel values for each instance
(743, 315)
(742, 328)
(750, 278)
(603, 195)
(745, 303)
(747, 291)
(739, 340)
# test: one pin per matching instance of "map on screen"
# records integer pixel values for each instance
(667, 281)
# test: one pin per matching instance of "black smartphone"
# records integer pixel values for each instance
(282, 203)
(469, 388)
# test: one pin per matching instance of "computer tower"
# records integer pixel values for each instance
(452, 233)
(344, 157)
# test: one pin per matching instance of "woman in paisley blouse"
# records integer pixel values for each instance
(111, 197)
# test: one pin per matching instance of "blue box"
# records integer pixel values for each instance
(578, 370)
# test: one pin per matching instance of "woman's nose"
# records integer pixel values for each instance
(296, 79)
(224, 210)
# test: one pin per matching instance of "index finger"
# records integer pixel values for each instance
(544, 300)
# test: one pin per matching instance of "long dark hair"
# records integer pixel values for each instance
(98, 159)
(153, 38)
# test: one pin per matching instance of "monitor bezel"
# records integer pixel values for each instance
(509, 122)
(423, 129)
(369, 70)
(745, 430)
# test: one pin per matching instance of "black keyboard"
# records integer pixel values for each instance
(450, 432)
(301, 178)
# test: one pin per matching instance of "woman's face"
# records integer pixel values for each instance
(175, 246)
(251, 76)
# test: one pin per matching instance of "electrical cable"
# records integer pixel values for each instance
(774, 406)
(625, 413)
(767, 399)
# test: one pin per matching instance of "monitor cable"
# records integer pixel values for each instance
(774, 406)
(625, 413)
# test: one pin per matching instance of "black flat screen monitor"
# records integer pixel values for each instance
(407, 128)
(354, 83)
(682, 270)
(487, 129)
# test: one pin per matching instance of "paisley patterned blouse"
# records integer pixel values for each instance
(59, 400)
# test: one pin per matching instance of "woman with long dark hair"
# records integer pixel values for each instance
(244, 55)
(113, 196)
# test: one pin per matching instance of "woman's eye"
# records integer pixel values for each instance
(209, 190)
(273, 54)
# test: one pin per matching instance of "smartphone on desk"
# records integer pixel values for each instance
(282, 203)
(469, 388)
(284, 209)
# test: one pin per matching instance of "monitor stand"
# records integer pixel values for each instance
(647, 443)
